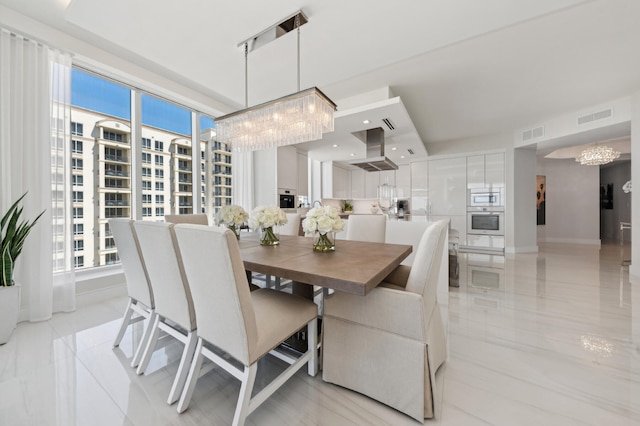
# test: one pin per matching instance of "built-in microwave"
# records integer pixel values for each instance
(485, 221)
(486, 197)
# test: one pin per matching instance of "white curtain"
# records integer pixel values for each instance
(242, 182)
(35, 95)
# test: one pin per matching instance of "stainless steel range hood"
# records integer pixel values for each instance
(375, 161)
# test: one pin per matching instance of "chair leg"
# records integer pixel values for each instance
(277, 286)
(126, 319)
(135, 361)
(151, 345)
(242, 407)
(312, 345)
(267, 281)
(183, 368)
(192, 379)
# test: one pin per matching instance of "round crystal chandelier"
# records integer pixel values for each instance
(597, 155)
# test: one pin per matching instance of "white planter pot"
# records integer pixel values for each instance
(9, 310)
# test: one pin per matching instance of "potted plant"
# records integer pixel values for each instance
(13, 233)
(347, 207)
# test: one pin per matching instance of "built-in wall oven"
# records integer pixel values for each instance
(485, 221)
(287, 198)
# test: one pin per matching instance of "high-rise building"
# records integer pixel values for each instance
(103, 164)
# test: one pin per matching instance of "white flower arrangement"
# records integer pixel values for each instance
(322, 219)
(231, 215)
(267, 217)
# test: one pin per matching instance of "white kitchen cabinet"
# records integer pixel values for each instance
(357, 183)
(287, 161)
(419, 187)
(371, 182)
(447, 187)
(341, 183)
(303, 174)
(485, 171)
(403, 181)
(494, 170)
(335, 181)
(475, 172)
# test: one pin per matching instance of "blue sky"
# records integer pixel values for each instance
(97, 94)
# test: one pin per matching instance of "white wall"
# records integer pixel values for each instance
(572, 202)
(265, 186)
(521, 233)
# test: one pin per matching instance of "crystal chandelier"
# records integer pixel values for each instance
(597, 155)
(300, 117)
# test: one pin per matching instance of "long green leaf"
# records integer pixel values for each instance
(10, 211)
(6, 269)
(13, 234)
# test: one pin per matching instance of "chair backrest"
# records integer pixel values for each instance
(224, 307)
(166, 274)
(403, 232)
(198, 219)
(135, 272)
(292, 227)
(423, 278)
(367, 227)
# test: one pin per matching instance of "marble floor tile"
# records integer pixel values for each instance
(548, 338)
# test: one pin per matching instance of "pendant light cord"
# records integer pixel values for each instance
(246, 75)
(298, 32)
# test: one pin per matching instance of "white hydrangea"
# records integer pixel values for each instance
(322, 219)
(267, 217)
(231, 215)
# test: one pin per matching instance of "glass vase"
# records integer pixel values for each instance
(235, 230)
(324, 243)
(268, 237)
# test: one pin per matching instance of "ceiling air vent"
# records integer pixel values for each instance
(411, 151)
(535, 133)
(389, 124)
(600, 115)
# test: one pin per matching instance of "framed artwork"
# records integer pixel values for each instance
(541, 191)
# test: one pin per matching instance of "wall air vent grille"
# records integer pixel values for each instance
(600, 115)
(389, 124)
(535, 133)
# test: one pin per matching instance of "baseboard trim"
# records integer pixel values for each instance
(585, 241)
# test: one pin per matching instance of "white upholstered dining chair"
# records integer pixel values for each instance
(197, 218)
(388, 344)
(174, 306)
(405, 232)
(366, 227)
(245, 325)
(138, 288)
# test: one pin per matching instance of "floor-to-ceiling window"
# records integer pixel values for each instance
(176, 170)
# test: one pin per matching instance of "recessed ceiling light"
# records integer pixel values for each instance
(352, 154)
(402, 156)
(335, 145)
(394, 148)
(366, 122)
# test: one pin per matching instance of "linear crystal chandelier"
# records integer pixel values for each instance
(597, 155)
(300, 117)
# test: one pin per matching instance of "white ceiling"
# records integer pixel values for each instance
(462, 68)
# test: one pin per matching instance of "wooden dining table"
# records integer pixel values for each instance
(354, 267)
